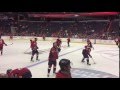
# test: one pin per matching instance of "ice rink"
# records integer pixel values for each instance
(18, 55)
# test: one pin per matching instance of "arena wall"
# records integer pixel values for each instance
(74, 40)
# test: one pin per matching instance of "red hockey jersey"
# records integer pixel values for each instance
(18, 73)
(58, 42)
(63, 75)
(2, 42)
(53, 55)
(68, 40)
(33, 43)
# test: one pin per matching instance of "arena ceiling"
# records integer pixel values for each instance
(87, 15)
(67, 15)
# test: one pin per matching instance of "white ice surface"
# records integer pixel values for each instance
(105, 56)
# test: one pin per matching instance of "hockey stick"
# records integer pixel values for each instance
(93, 61)
(9, 44)
(26, 50)
(44, 50)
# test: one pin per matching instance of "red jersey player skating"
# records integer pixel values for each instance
(59, 42)
(53, 56)
(2, 43)
(33, 43)
(34, 48)
(117, 41)
(89, 45)
(68, 42)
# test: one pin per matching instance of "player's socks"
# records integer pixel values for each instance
(31, 58)
(88, 62)
(54, 70)
(48, 74)
(83, 60)
(49, 69)
(37, 58)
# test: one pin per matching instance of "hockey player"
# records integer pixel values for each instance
(86, 55)
(117, 41)
(11, 37)
(59, 42)
(35, 51)
(33, 43)
(2, 43)
(53, 56)
(19, 73)
(64, 71)
(89, 45)
(34, 48)
(43, 37)
(68, 41)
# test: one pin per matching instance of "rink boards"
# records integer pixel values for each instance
(74, 40)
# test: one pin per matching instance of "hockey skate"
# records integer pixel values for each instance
(31, 60)
(48, 75)
(88, 64)
(37, 59)
(82, 61)
(54, 73)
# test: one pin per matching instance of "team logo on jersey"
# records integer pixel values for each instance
(87, 73)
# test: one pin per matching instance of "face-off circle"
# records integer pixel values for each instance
(110, 54)
(88, 73)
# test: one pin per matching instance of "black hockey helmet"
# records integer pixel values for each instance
(8, 71)
(86, 46)
(64, 62)
(36, 39)
(54, 44)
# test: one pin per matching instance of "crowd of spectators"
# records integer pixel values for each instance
(75, 29)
